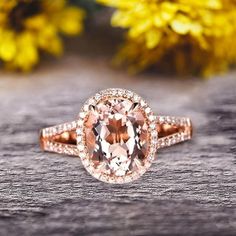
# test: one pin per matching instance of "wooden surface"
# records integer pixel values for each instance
(189, 190)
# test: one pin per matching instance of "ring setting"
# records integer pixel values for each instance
(116, 135)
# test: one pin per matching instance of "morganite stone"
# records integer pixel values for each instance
(116, 137)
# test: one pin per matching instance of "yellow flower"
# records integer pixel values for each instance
(28, 27)
(186, 36)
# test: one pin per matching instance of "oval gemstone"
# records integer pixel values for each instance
(116, 137)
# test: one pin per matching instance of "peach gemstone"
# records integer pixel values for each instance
(116, 137)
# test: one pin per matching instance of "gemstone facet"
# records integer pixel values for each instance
(117, 139)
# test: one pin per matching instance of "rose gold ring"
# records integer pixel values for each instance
(116, 135)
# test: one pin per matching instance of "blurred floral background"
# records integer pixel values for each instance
(184, 37)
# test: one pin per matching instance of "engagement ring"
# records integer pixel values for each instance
(116, 135)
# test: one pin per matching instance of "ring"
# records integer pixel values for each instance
(116, 135)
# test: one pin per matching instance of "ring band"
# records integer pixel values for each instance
(116, 135)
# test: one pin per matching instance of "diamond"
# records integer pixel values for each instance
(153, 125)
(79, 139)
(143, 103)
(82, 155)
(80, 122)
(154, 133)
(79, 131)
(148, 110)
(82, 115)
(151, 117)
(80, 147)
(136, 98)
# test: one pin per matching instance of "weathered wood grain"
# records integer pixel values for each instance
(189, 190)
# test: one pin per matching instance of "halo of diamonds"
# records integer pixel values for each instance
(152, 133)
